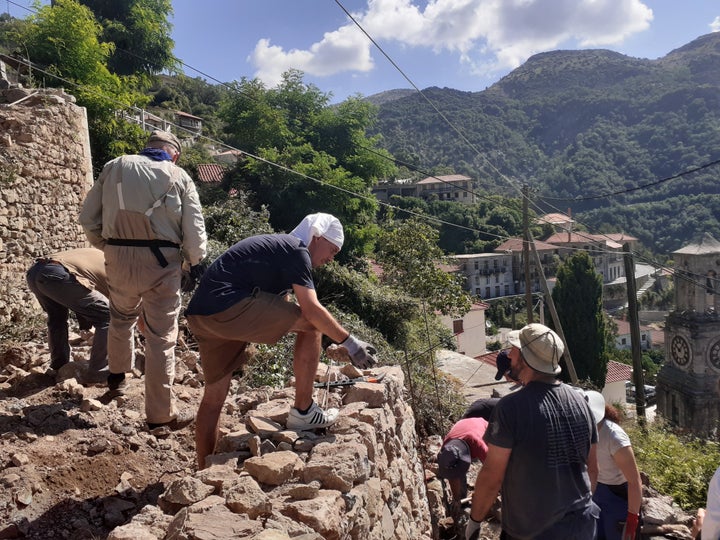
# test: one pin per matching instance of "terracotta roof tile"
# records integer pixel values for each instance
(209, 173)
(617, 371)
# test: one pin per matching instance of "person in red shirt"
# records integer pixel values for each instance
(462, 445)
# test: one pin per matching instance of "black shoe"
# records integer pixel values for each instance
(116, 382)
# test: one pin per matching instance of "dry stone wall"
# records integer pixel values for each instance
(45, 173)
(361, 480)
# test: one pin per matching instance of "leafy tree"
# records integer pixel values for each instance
(231, 220)
(409, 255)
(323, 154)
(578, 300)
(64, 37)
(140, 32)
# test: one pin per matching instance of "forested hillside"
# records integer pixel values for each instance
(595, 131)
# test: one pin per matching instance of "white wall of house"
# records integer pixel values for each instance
(488, 275)
(614, 392)
(469, 331)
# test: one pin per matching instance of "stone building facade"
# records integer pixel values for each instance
(45, 173)
(687, 393)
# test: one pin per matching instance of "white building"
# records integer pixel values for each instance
(488, 275)
(469, 331)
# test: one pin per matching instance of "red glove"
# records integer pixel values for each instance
(630, 528)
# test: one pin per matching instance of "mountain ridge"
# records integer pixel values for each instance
(582, 124)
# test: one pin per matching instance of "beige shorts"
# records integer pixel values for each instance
(223, 337)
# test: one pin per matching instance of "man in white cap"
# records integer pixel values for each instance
(243, 298)
(541, 449)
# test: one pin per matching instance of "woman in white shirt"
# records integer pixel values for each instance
(619, 489)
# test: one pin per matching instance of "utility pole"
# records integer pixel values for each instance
(526, 254)
(556, 320)
(638, 376)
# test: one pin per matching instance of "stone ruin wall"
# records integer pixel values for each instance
(45, 173)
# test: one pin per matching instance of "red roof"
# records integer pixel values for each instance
(209, 173)
(444, 178)
(617, 371)
(516, 245)
(555, 219)
(489, 358)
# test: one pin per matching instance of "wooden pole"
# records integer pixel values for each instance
(638, 376)
(526, 255)
(551, 306)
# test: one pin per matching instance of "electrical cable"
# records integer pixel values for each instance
(398, 209)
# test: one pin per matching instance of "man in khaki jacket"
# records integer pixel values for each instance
(144, 213)
(74, 280)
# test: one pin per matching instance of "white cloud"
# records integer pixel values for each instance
(485, 34)
(715, 25)
(345, 49)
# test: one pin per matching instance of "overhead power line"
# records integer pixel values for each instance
(381, 203)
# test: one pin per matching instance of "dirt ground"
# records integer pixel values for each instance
(74, 463)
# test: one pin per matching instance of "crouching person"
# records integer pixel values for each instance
(243, 298)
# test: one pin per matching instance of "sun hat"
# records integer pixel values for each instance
(164, 137)
(597, 404)
(454, 459)
(540, 347)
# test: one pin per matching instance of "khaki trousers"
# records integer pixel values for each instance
(139, 286)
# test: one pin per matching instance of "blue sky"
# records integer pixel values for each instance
(462, 44)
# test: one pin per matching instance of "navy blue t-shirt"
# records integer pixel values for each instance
(272, 263)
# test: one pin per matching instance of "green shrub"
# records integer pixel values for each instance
(676, 464)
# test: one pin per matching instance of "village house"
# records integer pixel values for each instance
(622, 336)
(189, 122)
(488, 275)
(469, 330)
(450, 187)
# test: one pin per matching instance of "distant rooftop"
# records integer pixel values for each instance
(445, 178)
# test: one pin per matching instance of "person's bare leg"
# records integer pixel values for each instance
(305, 362)
(208, 417)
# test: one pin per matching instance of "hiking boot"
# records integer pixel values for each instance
(183, 419)
(314, 418)
(90, 377)
(116, 383)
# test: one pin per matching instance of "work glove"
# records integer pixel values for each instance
(631, 526)
(473, 529)
(197, 271)
(190, 278)
(362, 354)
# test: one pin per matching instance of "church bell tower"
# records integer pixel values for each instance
(687, 394)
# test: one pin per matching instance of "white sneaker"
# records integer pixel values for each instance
(314, 418)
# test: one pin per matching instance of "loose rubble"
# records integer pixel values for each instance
(77, 465)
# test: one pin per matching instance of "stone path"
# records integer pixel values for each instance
(476, 376)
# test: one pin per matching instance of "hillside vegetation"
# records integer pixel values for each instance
(578, 126)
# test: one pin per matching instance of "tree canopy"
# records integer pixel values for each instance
(411, 261)
(578, 299)
(140, 32)
(327, 163)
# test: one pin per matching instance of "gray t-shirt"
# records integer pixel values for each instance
(549, 428)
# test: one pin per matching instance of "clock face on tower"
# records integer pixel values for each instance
(680, 351)
(714, 355)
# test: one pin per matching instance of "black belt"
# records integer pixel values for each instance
(619, 490)
(154, 246)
